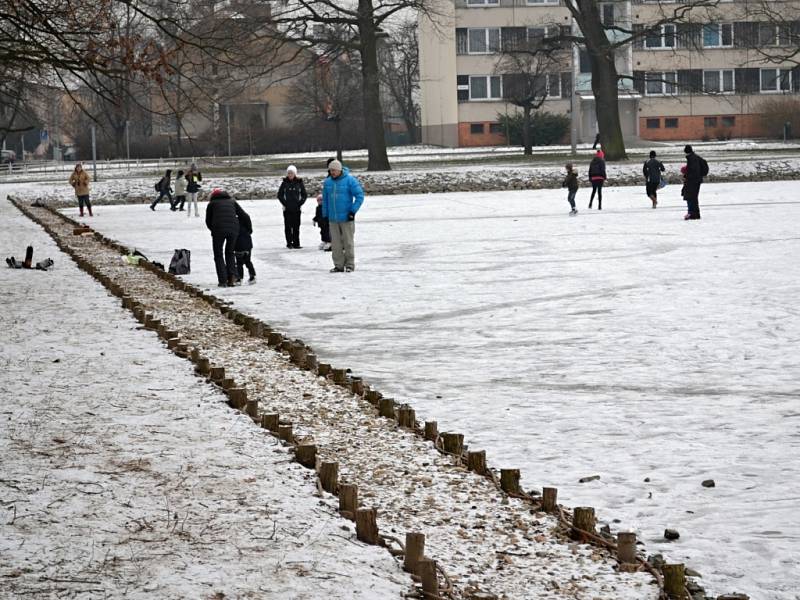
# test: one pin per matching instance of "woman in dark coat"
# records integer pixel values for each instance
(222, 219)
(292, 195)
(164, 189)
(597, 175)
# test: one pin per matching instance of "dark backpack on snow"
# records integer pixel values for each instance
(181, 262)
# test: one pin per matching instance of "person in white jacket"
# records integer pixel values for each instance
(180, 192)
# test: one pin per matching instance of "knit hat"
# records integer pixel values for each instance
(291, 169)
(652, 153)
(335, 164)
(684, 168)
(687, 149)
(218, 193)
(601, 154)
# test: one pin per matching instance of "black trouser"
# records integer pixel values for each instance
(226, 266)
(84, 201)
(325, 231)
(179, 201)
(291, 227)
(160, 196)
(691, 193)
(242, 261)
(597, 186)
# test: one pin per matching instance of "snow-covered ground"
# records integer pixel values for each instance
(626, 343)
(123, 474)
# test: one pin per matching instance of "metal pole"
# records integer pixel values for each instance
(94, 155)
(128, 142)
(228, 118)
(573, 105)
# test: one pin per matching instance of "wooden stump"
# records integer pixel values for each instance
(274, 338)
(357, 386)
(373, 397)
(217, 374)
(182, 349)
(311, 362)
(329, 476)
(194, 354)
(340, 376)
(238, 397)
(386, 408)
(476, 461)
(173, 342)
(270, 421)
(285, 433)
(285, 345)
(203, 366)
(626, 547)
(324, 369)
(431, 431)
(127, 302)
(453, 443)
(299, 354)
(415, 551)
(251, 408)
(367, 525)
(674, 581)
(348, 500)
(583, 520)
(549, 499)
(307, 455)
(255, 328)
(227, 383)
(426, 569)
(509, 481)
(406, 416)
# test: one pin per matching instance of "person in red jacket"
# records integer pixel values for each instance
(597, 175)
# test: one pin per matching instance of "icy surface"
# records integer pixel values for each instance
(625, 343)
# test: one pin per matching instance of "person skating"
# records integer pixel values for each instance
(696, 169)
(571, 183)
(652, 169)
(222, 219)
(596, 141)
(164, 188)
(324, 226)
(292, 195)
(597, 175)
(244, 248)
(193, 179)
(342, 197)
(79, 180)
(180, 192)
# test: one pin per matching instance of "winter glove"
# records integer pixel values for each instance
(351, 216)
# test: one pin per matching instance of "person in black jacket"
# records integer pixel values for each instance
(244, 248)
(696, 169)
(222, 219)
(597, 175)
(571, 183)
(652, 170)
(292, 195)
(164, 189)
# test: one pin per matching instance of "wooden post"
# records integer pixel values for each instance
(256, 328)
(217, 373)
(203, 366)
(311, 362)
(386, 408)
(238, 397)
(285, 345)
(476, 461)
(274, 338)
(453, 443)
(357, 386)
(431, 431)
(328, 476)
(285, 432)
(348, 500)
(228, 383)
(426, 569)
(251, 407)
(324, 369)
(626, 547)
(374, 397)
(367, 525)
(195, 354)
(406, 417)
(270, 421)
(307, 455)
(674, 581)
(182, 349)
(549, 499)
(298, 353)
(340, 376)
(173, 342)
(509, 480)
(584, 520)
(415, 551)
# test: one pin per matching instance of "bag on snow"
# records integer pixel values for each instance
(181, 262)
(703, 166)
(158, 185)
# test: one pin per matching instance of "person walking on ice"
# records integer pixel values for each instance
(292, 195)
(571, 183)
(342, 197)
(79, 180)
(652, 169)
(597, 175)
(696, 169)
(193, 179)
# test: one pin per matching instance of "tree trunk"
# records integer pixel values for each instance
(526, 130)
(378, 160)
(339, 139)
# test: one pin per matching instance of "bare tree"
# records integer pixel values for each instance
(400, 74)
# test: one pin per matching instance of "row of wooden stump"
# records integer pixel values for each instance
(583, 526)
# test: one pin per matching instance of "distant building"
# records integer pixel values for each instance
(704, 78)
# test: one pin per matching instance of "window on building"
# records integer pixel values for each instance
(607, 14)
(671, 123)
(483, 41)
(710, 122)
(663, 36)
(717, 35)
(476, 128)
(554, 85)
(767, 34)
(653, 123)
(482, 2)
(496, 128)
(485, 87)
(540, 2)
(776, 80)
(728, 121)
(584, 64)
(659, 83)
(538, 33)
(718, 82)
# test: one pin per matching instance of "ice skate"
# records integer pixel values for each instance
(573, 212)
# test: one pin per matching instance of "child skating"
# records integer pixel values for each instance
(571, 183)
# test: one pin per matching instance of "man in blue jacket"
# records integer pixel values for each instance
(342, 196)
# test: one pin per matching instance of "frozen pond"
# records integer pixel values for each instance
(625, 343)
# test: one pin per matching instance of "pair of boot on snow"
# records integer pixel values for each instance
(42, 265)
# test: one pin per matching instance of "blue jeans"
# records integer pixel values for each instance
(571, 197)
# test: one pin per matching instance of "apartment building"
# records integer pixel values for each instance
(703, 76)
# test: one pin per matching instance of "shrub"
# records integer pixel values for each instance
(777, 111)
(546, 128)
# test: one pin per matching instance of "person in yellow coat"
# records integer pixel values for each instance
(79, 180)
